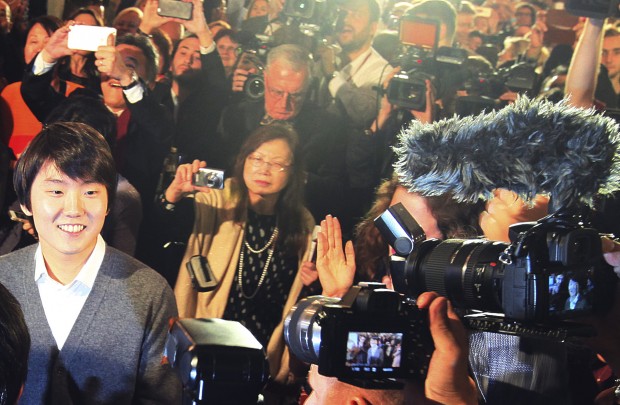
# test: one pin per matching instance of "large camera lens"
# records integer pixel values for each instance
(408, 90)
(254, 87)
(302, 333)
(468, 272)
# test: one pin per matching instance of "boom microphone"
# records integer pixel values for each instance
(530, 147)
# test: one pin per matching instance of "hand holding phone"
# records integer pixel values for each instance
(175, 9)
(89, 38)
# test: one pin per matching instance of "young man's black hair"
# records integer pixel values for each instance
(75, 149)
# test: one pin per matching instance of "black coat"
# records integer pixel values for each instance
(148, 138)
(199, 114)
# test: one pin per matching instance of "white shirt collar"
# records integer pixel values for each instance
(361, 58)
(87, 274)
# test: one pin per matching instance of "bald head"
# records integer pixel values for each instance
(329, 390)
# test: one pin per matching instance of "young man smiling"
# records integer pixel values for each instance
(97, 318)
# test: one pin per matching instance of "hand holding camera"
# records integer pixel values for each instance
(447, 381)
(192, 177)
(240, 76)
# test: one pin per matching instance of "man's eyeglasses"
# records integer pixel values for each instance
(257, 161)
(279, 94)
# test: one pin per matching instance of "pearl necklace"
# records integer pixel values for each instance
(274, 235)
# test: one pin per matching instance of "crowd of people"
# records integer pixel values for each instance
(100, 151)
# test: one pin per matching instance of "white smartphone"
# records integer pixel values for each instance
(88, 37)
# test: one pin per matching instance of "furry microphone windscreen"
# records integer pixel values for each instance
(530, 147)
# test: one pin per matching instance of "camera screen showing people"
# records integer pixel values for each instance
(569, 292)
(372, 351)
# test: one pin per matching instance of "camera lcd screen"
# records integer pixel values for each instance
(419, 33)
(569, 293)
(372, 352)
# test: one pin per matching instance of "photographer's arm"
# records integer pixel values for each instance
(447, 381)
(584, 65)
(182, 185)
(198, 26)
(36, 88)
(151, 20)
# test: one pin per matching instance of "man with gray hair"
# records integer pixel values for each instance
(287, 77)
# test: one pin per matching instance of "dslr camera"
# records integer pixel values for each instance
(552, 271)
(253, 51)
(368, 338)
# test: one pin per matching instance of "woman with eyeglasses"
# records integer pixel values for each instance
(255, 234)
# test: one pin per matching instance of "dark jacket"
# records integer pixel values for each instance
(148, 138)
(198, 115)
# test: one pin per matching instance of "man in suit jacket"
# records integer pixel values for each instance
(97, 318)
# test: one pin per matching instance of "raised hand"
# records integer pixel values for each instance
(56, 47)
(336, 267)
(182, 183)
(151, 19)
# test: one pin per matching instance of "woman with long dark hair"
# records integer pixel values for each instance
(255, 234)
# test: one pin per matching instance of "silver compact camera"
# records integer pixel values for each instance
(208, 177)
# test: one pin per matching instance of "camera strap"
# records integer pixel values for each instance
(346, 71)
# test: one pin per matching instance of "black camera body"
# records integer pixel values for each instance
(442, 68)
(253, 56)
(552, 271)
(484, 88)
(593, 8)
(218, 361)
(369, 337)
(315, 18)
(407, 89)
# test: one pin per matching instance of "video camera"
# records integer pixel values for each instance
(485, 88)
(348, 338)
(422, 61)
(552, 271)
(593, 8)
(313, 17)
